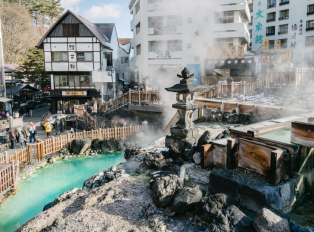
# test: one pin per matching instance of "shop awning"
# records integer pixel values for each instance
(4, 99)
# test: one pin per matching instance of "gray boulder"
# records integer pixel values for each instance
(231, 220)
(186, 198)
(154, 160)
(131, 152)
(164, 190)
(79, 146)
(96, 144)
(266, 220)
(204, 139)
(209, 206)
(176, 151)
(109, 145)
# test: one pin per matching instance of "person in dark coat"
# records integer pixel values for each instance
(75, 124)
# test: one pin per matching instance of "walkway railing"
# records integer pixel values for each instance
(81, 111)
(133, 96)
(37, 151)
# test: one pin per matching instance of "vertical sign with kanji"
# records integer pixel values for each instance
(217, 52)
(209, 54)
(259, 26)
(233, 52)
(241, 51)
(224, 52)
(278, 45)
(266, 45)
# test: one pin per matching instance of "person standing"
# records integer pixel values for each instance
(12, 138)
(62, 126)
(57, 125)
(8, 115)
(144, 124)
(33, 132)
(22, 140)
(48, 127)
(75, 124)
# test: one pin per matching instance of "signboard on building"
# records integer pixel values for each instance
(233, 52)
(266, 45)
(73, 93)
(225, 52)
(241, 51)
(278, 45)
(194, 69)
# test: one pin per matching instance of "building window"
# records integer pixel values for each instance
(189, 45)
(59, 56)
(310, 25)
(205, 19)
(271, 17)
(249, 47)
(270, 31)
(309, 40)
(224, 17)
(138, 50)
(251, 7)
(283, 29)
(85, 56)
(284, 14)
(271, 44)
(223, 42)
(174, 21)
(121, 60)
(284, 43)
(283, 2)
(84, 81)
(310, 9)
(189, 20)
(250, 31)
(271, 3)
(126, 60)
(156, 22)
(308, 56)
(174, 45)
(73, 81)
(138, 28)
(251, 23)
(71, 30)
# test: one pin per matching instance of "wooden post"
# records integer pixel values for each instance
(130, 96)
(53, 144)
(123, 132)
(13, 174)
(232, 87)
(232, 153)
(6, 157)
(17, 164)
(115, 133)
(139, 97)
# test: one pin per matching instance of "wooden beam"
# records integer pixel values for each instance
(302, 134)
(232, 153)
(266, 129)
(206, 157)
(276, 167)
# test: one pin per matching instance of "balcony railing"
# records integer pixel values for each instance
(271, 20)
(165, 55)
(310, 29)
(271, 5)
(165, 30)
(283, 3)
(271, 33)
(310, 13)
(282, 18)
(282, 32)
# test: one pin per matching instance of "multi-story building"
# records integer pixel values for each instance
(176, 33)
(82, 59)
(290, 21)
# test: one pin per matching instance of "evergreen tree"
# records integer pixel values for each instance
(54, 10)
(33, 69)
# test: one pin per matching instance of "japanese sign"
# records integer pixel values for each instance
(72, 67)
(259, 26)
(217, 52)
(225, 52)
(74, 93)
(233, 52)
(266, 45)
(209, 54)
(241, 51)
(71, 47)
(72, 56)
(278, 45)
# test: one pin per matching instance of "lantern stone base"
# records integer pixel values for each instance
(185, 142)
(184, 133)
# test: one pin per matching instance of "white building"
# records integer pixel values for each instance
(176, 33)
(290, 21)
(3, 100)
(79, 56)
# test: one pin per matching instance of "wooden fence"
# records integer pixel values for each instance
(36, 152)
(81, 111)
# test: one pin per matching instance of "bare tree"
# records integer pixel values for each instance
(18, 31)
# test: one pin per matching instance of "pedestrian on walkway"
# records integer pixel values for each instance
(75, 124)
(8, 115)
(62, 126)
(33, 132)
(22, 140)
(48, 127)
(57, 125)
(25, 133)
(12, 138)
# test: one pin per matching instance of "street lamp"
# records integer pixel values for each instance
(110, 71)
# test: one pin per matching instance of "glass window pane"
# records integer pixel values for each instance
(64, 56)
(84, 81)
(71, 81)
(77, 81)
(88, 56)
(57, 81)
(55, 56)
(80, 56)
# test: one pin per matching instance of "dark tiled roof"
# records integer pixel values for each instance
(93, 29)
(106, 28)
(18, 88)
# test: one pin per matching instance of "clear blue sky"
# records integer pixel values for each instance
(104, 11)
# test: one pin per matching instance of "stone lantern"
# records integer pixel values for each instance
(184, 132)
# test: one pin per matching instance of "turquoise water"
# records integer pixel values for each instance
(283, 136)
(46, 183)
